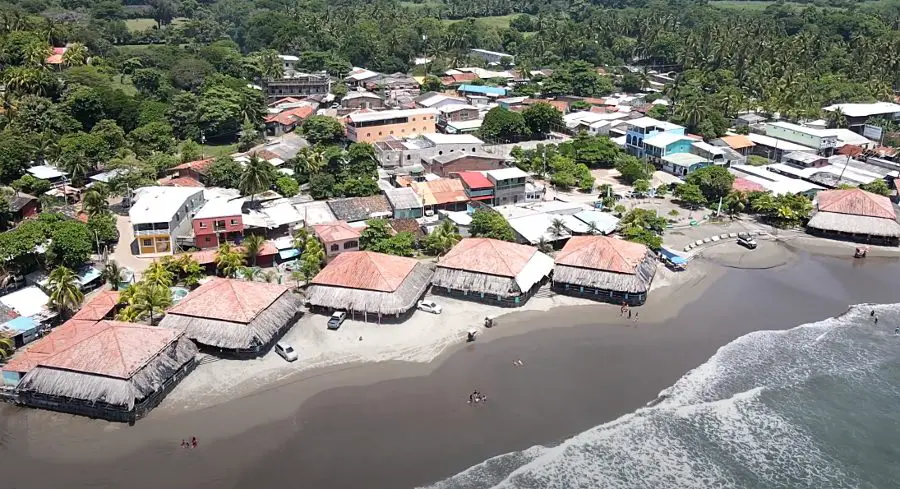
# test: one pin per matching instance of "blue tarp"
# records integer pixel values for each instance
(288, 254)
(672, 257)
(483, 90)
(21, 324)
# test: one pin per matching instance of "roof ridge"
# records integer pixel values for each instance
(374, 263)
(115, 336)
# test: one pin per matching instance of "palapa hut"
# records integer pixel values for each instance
(855, 215)
(235, 317)
(490, 270)
(606, 269)
(118, 373)
(370, 283)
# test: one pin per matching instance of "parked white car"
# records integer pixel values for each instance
(430, 306)
(286, 351)
(336, 319)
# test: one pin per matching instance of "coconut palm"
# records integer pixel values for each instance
(113, 274)
(544, 246)
(309, 161)
(36, 54)
(65, 291)
(269, 276)
(557, 227)
(253, 244)
(443, 238)
(228, 260)
(7, 346)
(76, 54)
(248, 273)
(256, 177)
(150, 298)
(93, 203)
(836, 118)
(189, 270)
(158, 274)
(22, 79)
(129, 314)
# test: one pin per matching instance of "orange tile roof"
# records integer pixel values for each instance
(491, 256)
(98, 307)
(743, 185)
(286, 100)
(116, 350)
(856, 202)
(850, 150)
(602, 253)
(738, 141)
(57, 57)
(441, 191)
(205, 257)
(180, 182)
(366, 270)
(291, 116)
(227, 299)
(60, 338)
(198, 166)
(336, 231)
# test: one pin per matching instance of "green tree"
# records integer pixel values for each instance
(93, 203)
(642, 236)
(690, 195)
(113, 274)
(377, 230)
(641, 187)
(490, 224)
(432, 84)
(502, 125)
(879, 187)
(541, 118)
(102, 227)
(644, 219)
(70, 244)
(287, 186)
(65, 292)
(321, 186)
(662, 190)
(253, 244)
(443, 238)
(632, 169)
(7, 346)
(224, 172)
(152, 137)
(714, 181)
(157, 273)
(256, 177)
(735, 203)
(313, 257)
(320, 129)
(145, 299)
(229, 260)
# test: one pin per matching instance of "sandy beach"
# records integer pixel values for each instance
(397, 424)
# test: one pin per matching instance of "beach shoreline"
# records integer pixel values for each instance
(351, 407)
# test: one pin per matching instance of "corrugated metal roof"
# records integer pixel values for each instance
(441, 191)
(403, 198)
(366, 270)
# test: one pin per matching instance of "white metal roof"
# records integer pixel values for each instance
(777, 184)
(159, 204)
(603, 221)
(450, 108)
(846, 136)
(361, 94)
(27, 302)
(46, 172)
(506, 173)
(865, 110)
(389, 114)
(704, 146)
(777, 143)
(538, 267)
(288, 57)
(664, 139)
(536, 227)
(646, 122)
(220, 208)
(439, 138)
(281, 214)
(493, 53)
(359, 74)
(440, 97)
(812, 131)
(684, 159)
(463, 125)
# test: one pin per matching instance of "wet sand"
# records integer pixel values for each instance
(396, 425)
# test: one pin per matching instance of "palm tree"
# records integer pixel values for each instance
(269, 276)
(229, 261)
(247, 273)
(309, 161)
(256, 177)
(65, 292)
(557, 227)
(592, 227)
(158, 274)
(444, 238)
(150, 298)
(36, 54)
(113, 274)
(836, 118)
(93, 203)
(7, 346)
(253, 244)
(544, 246)
(76, 54)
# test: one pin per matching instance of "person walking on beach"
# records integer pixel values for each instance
(194, 442)
(876, 319)
(629, 314)
(872, 314)
(636, 316)
(184, 444)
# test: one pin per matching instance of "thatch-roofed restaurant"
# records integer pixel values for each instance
(605, 269)
(493, 271)
(114, 371)
(855, 215)
(385, 286)
(234, 317)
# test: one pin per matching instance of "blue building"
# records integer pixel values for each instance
(644, 128)
(664, 144)
(481, 90)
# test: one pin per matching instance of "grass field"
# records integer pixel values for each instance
(216, 150)
(496, 21)
(144, 24)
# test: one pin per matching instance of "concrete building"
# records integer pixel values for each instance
(858, 114)
(160, 214)
(477, 186)
(457, 113)
(644, 128)
(288, 64)
(683, 164)
(509, 185)
(493, 57)
(337, 237)
(819, 139)
(660, 145)
(218, 221)
(362, 100)
(449, 164)
(298, 85)
(406, 203)
(370, 127)
(393, 152)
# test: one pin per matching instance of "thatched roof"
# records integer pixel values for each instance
(382, 298)
(492, 266)
(234, 325)
(154, 368)
(853, 224)
(605, 263)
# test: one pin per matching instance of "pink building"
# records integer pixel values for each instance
(337, 237)
(217, 222)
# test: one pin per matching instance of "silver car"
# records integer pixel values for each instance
(286, 351)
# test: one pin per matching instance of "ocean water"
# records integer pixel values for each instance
(816, 406)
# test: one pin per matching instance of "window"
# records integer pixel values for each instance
(234, 222)
(379, 133)
(202, 224)
(368, 134)
(351, 244)
(414, 119)
(402, 130)
(335, 247)
(392, 132)
(148, 242)
(473, 150)
(208, 239)
(408, 157)
(440, 152)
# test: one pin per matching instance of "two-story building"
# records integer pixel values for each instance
(337, 237)
(457, 113)
(362, 100)
(406, 203)
(664, 144)
(492, 57)
(821, 140)
(369, 127)
(160, 214)
(713, 153)
(477, 186)
(393, 152)
(509, 185)
(218, 221)
(298, 85)
(683, 164)
(644, 128)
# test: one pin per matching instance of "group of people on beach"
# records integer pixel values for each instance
(475, 397)
(627, 309)
(189, 444)
(875, 319)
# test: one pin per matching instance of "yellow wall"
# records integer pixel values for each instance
(159, 243)
(423, 124)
